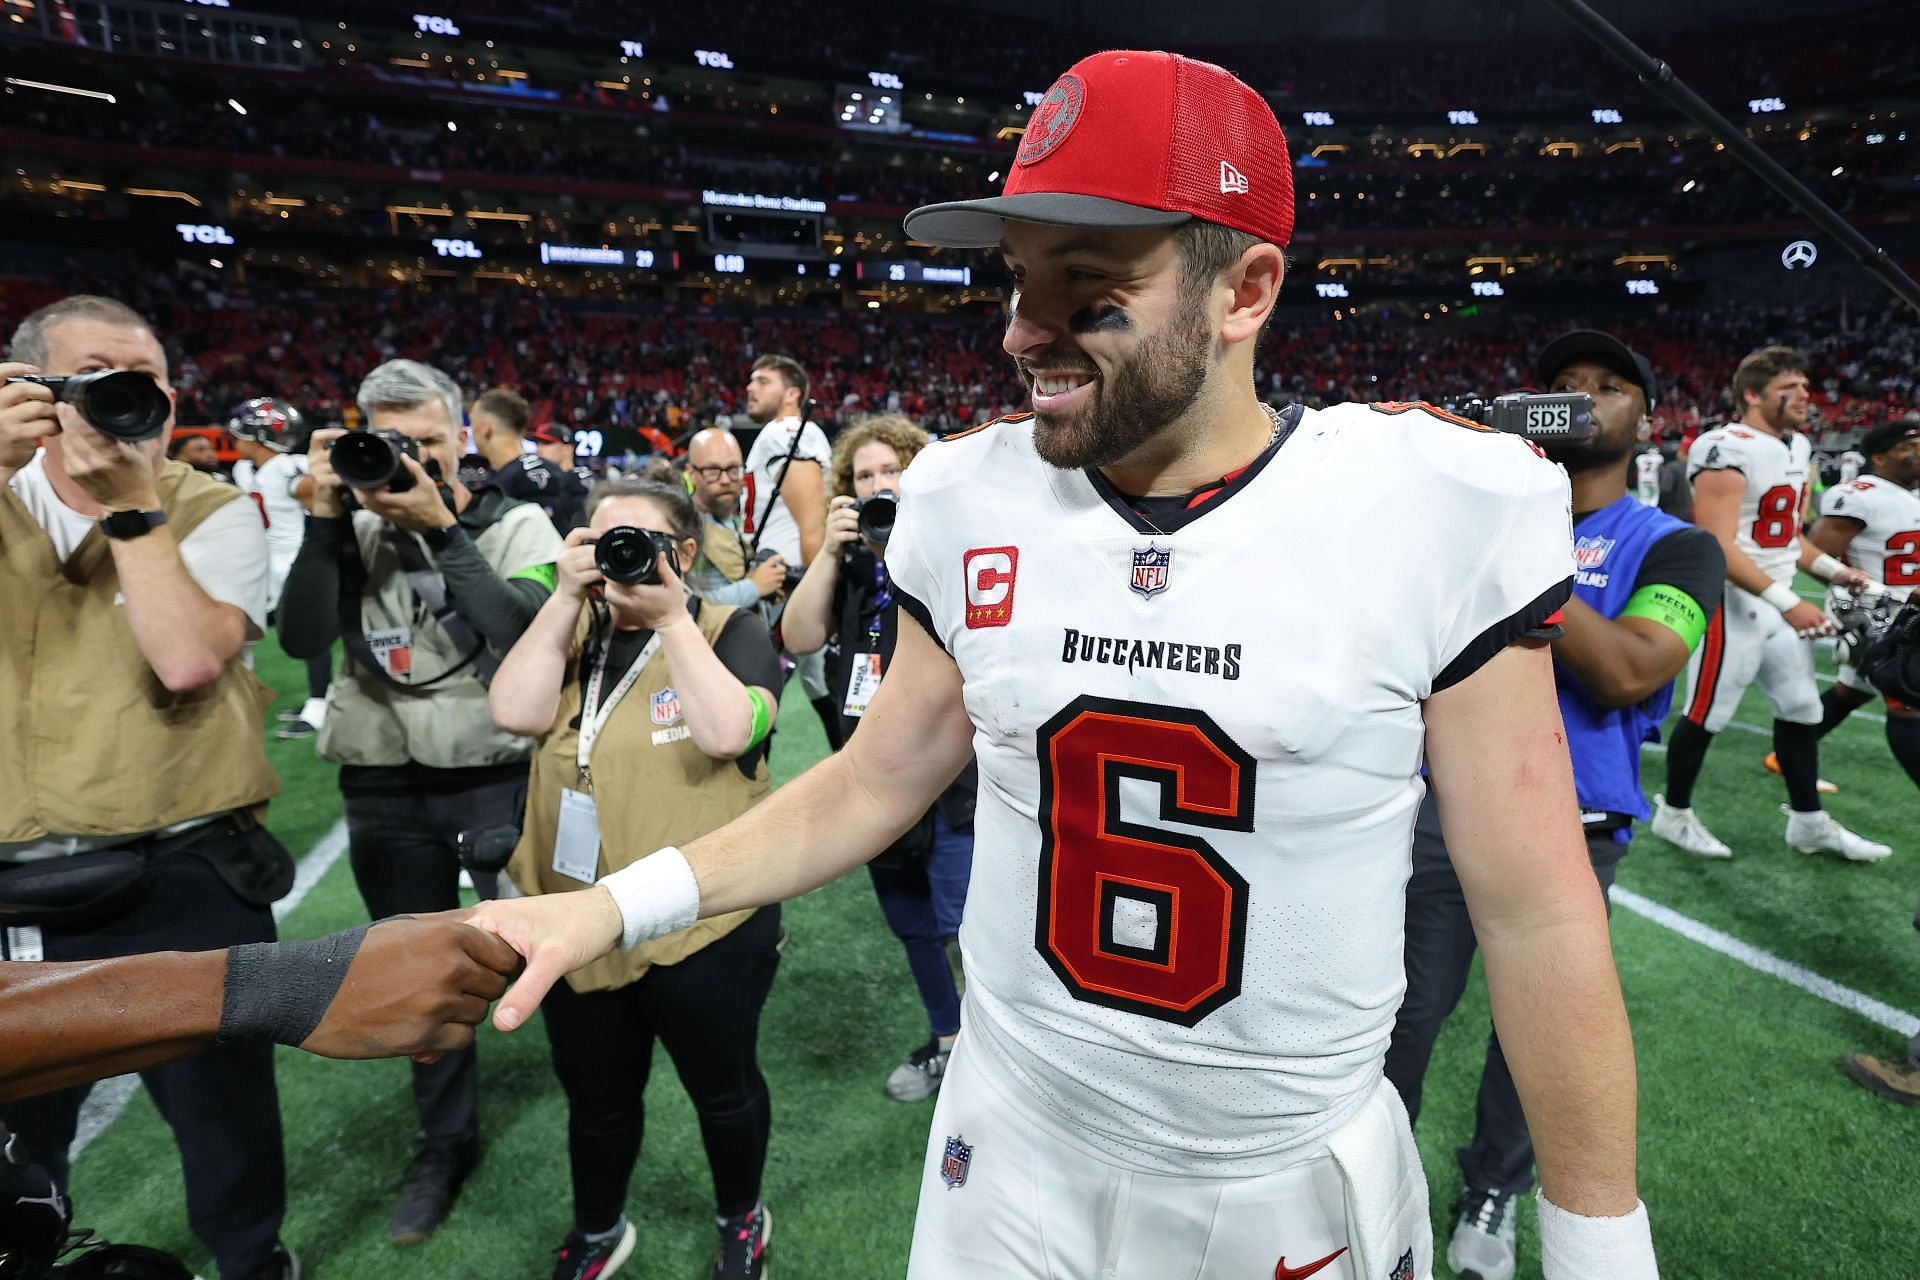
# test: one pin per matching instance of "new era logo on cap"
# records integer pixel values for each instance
(1135, 139)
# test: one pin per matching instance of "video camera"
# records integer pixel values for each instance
(125, 405)
(369, 459)
(1546, 418)
(626, 555)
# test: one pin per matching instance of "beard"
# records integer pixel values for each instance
(1136, 401)
(1593, 455)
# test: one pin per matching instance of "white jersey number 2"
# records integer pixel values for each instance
(1134, 917)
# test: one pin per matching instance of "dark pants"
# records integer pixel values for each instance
(402, 850)
(1440, 946)
(706, 1011)
(221, 1104)
(923, 901)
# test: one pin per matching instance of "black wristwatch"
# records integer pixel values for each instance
(131, 524)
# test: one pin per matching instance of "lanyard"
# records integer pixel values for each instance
(594, 713)
(881, 600)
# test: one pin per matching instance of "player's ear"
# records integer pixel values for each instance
(1254, 284)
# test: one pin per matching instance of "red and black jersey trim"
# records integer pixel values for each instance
(1163, 515)
(911, 605)
(977, 429)
(1538, 620)
(1396, 407)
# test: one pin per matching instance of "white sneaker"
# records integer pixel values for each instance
(314, 712)
(1678, 827)
(1819, 833)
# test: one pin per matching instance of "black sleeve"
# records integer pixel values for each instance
(309, 617)
(498, 609)
(1538, 620)
(1688, 560)
(913, 608)
(746, 649)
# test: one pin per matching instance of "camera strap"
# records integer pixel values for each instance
(780, 482)
(353, 635)
(432, 591)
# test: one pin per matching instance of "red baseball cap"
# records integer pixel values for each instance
(550, 433)
(1135, 139)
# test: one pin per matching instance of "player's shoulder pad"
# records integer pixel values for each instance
(954, 458)
(1434, 447)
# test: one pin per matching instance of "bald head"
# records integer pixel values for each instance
(713, 460)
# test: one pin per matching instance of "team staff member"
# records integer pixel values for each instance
(131, 759)
(784, 508)
(720, 574)
(1749, 486)
(652, 709)
(499, 420)
(428, 587)
(1644, 588)
(1193, 825)
(554, 443)
(845, 605)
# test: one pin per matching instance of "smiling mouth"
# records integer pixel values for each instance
(1056, 384)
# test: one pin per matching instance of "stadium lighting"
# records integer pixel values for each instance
(215, 262)
(1689, 185)
(236, 106)
(61, 88)
(994, 176)
(1838, 170)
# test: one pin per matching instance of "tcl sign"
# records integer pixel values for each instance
(201, 233)
(713, 58)
(456, 248)
(438, 26)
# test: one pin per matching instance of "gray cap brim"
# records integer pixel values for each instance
(976, 224)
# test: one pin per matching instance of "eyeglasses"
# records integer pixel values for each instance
(713, 474)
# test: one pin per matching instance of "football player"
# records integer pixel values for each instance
(499, 419)
(555, 443)
(1183, 946)
(271, 437)
(1750, 483)
(1874, 522)
(1646, 471)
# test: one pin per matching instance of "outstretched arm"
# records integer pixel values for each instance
(413, 987)
(913, 742)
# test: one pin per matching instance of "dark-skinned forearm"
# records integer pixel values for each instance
(69, 1023)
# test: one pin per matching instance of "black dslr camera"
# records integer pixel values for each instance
(369, 459)
(876, 512)
(794, 575)
(626, 555)
(1546, 418)
(125, 405)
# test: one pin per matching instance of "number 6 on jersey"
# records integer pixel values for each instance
(1134, 917)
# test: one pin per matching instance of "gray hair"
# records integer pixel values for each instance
(403, 384)
(29, 345)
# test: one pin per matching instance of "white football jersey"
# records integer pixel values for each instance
(1851, 463)
(1200, 758)
(1776, 472)
(1889, 547)
(272, 487)
(1647, 474)
(774, 523)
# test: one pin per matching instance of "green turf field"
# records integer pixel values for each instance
(1758, 1158)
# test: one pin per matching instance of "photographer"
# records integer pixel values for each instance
(720, 572)
(427, 585)
(845, 605)
(1644, 590)
(652, 709)
(132, 767)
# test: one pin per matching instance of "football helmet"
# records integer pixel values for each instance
(265, 420)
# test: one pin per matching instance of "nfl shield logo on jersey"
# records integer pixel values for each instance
(1591, 550)
(1150, 567)
(955, 1163)
(1403, 1269)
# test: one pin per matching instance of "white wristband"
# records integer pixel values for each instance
(1780, 596)
(656, 896)
(1824, 567)
(1574, 1247)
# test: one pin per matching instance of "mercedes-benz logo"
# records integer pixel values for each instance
(1801, 253)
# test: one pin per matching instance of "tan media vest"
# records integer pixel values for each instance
(91, 742)
(652, 787)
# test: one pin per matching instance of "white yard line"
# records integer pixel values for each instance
(110, 1097)
(1895, 1020)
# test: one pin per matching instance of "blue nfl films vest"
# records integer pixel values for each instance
(1608, 548)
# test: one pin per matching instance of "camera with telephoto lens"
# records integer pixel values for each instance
(125, 405)
(793, 577)
(369, 459)
(626, 555)
(1546, 418)
(876, 512)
